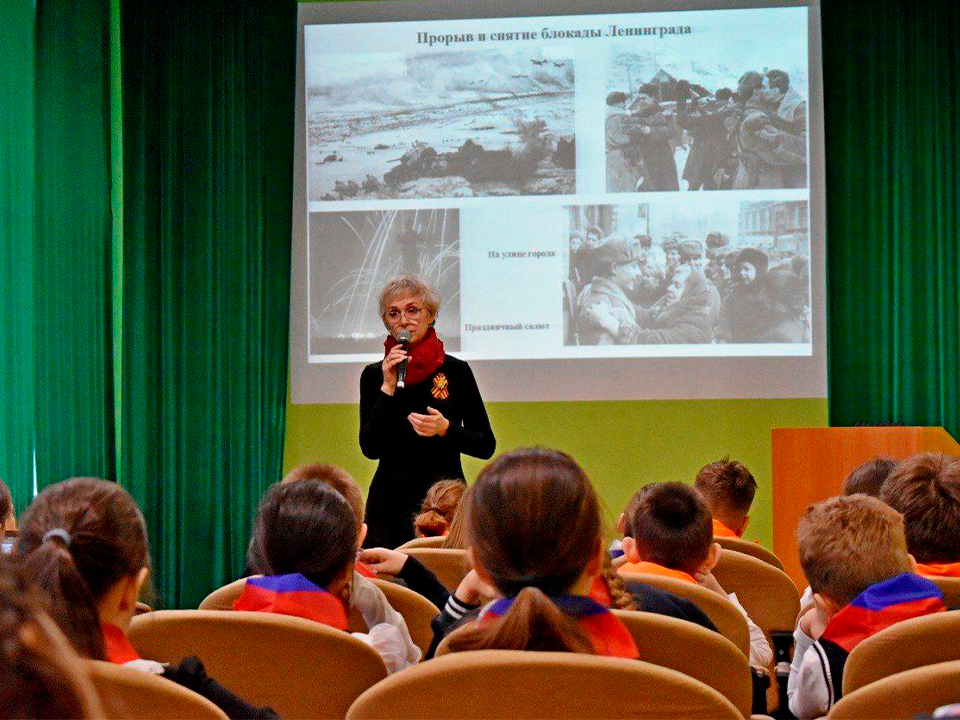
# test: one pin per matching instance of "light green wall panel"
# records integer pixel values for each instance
(622, 445)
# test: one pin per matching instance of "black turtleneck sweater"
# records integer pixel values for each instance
(410, 463)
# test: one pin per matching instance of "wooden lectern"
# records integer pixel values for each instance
(809, 464)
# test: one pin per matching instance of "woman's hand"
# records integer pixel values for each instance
(383, 561)
(428, 425)
(389, 366)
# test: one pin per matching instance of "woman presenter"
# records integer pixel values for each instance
(417, 431)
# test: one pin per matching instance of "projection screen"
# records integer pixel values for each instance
(615, 200)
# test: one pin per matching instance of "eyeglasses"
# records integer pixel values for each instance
(413, 312)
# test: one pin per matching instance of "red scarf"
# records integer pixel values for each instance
(424, 358)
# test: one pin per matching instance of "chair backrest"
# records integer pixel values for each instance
(950, 587)
(298, 667)
(417, 611)
(766, 593)
(904, 695)
(514, 685)
(682, 646)
(749, 548)
(223, 598)
(722, 613)
(448, 564)
(907, 645)
(423, 542)
(125, 693)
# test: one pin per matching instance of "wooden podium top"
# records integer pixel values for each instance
(809, 464)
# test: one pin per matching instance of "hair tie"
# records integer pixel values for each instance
(57, 533)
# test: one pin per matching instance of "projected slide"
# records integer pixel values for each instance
(586, 188)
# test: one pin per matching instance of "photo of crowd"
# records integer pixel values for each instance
(651, 275)
(687, 132)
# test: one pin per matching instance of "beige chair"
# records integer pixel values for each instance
(905, 646)
(722, 613)
(685, 647)
(749, 548)
(449, 565)
(423, 542)
(298, 667)
(950, 587)
(513, 685)
(417, 611)
(125, 693)
(904, 695)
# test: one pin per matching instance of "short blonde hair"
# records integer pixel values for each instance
(849, 543)
(411, 285)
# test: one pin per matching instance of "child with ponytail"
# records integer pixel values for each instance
(304, 546)
(439, 506)
(83, 546)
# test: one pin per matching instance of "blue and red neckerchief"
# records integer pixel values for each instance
(605, 630)
(881, 605)
(292, 595)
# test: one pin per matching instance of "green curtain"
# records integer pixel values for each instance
(72, 243)
(16, 248)
(892, 114)
(208, 113)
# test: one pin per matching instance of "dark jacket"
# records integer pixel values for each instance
(410, 464)
(660, 168)
(709, 136)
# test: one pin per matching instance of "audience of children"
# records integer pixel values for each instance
(540, 580)
(925, 489)
(670, 533)
(83, 547)
(304, 546)
(728, 489)
(853, 552)
(438, 509)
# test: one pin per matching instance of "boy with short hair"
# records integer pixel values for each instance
(925, 489)
(728, 488)
(669, 533)
(868, 478)
(854, 554)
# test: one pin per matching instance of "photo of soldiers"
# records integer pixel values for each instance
(707, 122)
(439, 124)
(656, 282)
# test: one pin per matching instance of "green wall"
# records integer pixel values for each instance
(622, 445)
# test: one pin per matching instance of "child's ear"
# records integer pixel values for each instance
(131, 589)
(362, 535)
(622, 524)
(826, 605)
(630, 550)
(713, 557)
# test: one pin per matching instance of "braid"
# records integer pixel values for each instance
(621, 597)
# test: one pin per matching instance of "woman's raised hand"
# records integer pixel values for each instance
(389, 365)
(383, 561)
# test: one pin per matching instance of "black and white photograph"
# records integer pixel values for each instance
(673, 274)
(352, 255)
(683, 118)
(440, 124)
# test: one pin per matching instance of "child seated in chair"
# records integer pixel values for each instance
(305, 541)
(925, 489)
(728, 488)
(854, 554)
(670, 534)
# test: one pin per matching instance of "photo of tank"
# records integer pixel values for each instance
(440, 124)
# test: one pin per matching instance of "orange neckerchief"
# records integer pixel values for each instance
(116, 646)
(939, 569)
(649, 568)
(721, 530)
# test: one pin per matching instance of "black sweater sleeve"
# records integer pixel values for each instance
(374, 407)
(191, 674)
(419, 579)
(475, 436)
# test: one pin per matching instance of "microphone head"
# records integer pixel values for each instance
(403, 337)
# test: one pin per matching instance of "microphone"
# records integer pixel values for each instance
(403, 338)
